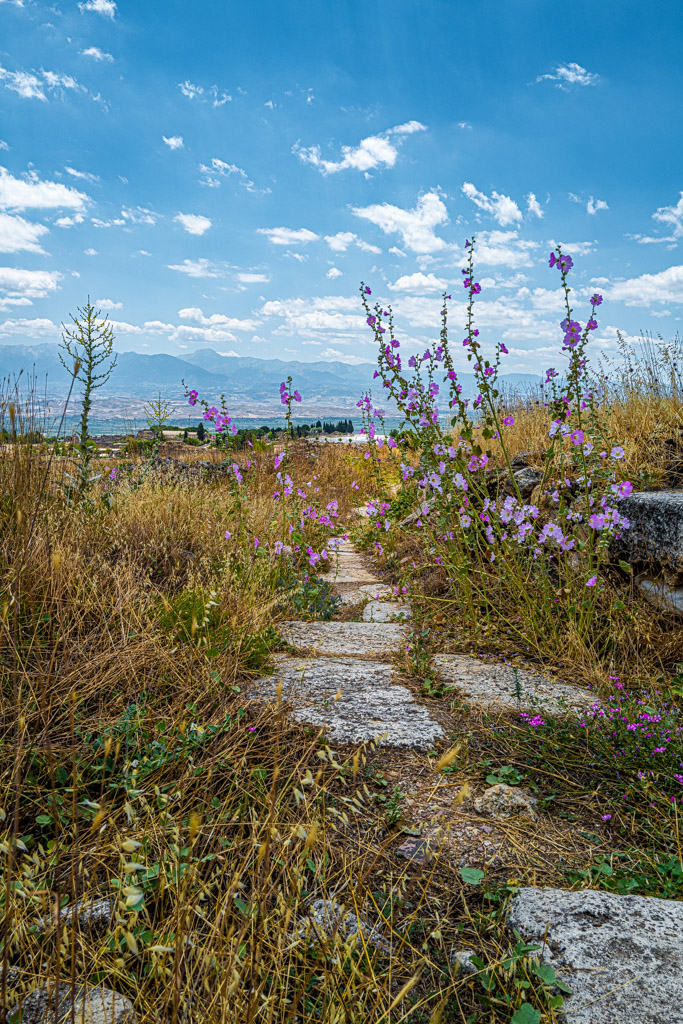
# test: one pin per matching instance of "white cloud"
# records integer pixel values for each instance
(27, 284)
(341, 241)
(372, 152)
(194, 223)
(212, 94)
(566, 75)
(91, 252)
(333, 272)
(174, 141)
(96, 54)
(593, 205)
(247, 278)
(666, 286)
(198, 268)
(83, 175)
(341, 357)
(37, 328)
(69, 222)
(671, 215)
(3, 144)
(105, 7)
(398, 252)
(503, 248)
(17, 234)
(288, 236)
(138, 215)
(34, 85)
(502, 208)
(416, 227)
(336, 317)
(419, 283)
(30, 192)
(533, 205)
(195, 315)
(214, 172)
(108, 304)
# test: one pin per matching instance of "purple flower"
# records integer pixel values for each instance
(476, 288)
(228, 535)
(592, 581)
(509, 420)
(592, 324)
(256, 542)
(367, 291)
(296, 396)
(553, 260)
(606, 817)
(283, 388)
(565, 263)
(503, 348)
(617, 452)
(596, 299)
(192, 397)
(577, 437)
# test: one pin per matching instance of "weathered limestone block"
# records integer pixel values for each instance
(489, 684)
(620, 955)
(356, 701)
(346, 638)
(82, 1004)
(655, 534)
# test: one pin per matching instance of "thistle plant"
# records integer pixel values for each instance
(88, 355)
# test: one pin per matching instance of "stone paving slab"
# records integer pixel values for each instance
(368, 591)
(371, 703)
(490, 684)
(620, 955)
(385, 611)
(345, 638)
(355, 576)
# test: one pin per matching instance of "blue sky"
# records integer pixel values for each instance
(223, 174)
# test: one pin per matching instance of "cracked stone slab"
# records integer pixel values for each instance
(346, 638)
(355, 595)
(356, 701)
(656, 530)
(489, 684)
(385, 611)
(620, 955)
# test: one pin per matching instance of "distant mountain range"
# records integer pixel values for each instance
(250, 385)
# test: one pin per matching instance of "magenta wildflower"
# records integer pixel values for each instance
(509, 420)
(592, 581)
(228, 535)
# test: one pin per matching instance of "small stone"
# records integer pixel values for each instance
(415, 850)
(93, 914)
(327, 918)
(462, 961)
(82, 1004)
(527, 479)
(503, 801)
(662, 596)
(620, 955)
(655, 533)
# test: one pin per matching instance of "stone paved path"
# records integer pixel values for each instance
(342, 685)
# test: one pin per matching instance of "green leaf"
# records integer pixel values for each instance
(243, 907)
(625, 566)
(472, 876)
(545, 973)
(526, 1015)
(43, 819)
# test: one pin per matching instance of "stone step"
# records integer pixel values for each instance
(488, 684)
(620, 955)
(371, 703)
(385, 611)
(655, 534)
(351, 594)
(346, 638)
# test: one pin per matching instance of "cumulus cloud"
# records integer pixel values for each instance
(17, 234)
(504, 248)
(108, 304)
(343, 239)
(91, 252)
(593, 205)
(30, 192)
(666, 286)
(173, 141)
(533, 206)
(566, 75)
(195, 315)
(211, 94)
(333, 272)
(416, 227)
(35, 85)
(372, 152)
(96, 54)
(343, 357)
(69, 222)
(502, 208)
(105, 7)
(27, 284)
(672, 216)
(194, 223)
(336, 317)
(198, 268)
(419, 282)
(40, 327)
(244, 277)
(288, 236)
